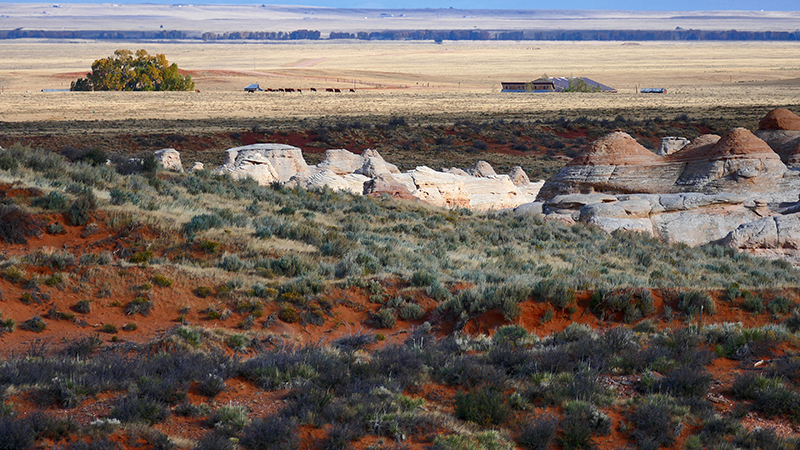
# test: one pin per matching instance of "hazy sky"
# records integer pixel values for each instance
(637, 5)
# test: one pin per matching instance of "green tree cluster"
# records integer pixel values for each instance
(579, 85)
(128, 71)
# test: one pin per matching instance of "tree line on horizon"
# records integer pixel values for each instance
(678, 34)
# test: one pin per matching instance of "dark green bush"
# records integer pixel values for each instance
(555, 291)
(54, 201)
(80, 211)
(132, 408)
(139, 305)
(581, 422)
(693, 302)
(485, 406)
(656, 422)
(384, 318)
(270, 433)
(202, 222)
(539, 434)
(781, 305)
(423, 278)
(83, 307)
(35, 324)
(752, 303)
(16, 225)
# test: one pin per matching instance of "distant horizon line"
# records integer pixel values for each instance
(378, 8)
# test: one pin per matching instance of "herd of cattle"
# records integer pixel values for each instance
(254, 87)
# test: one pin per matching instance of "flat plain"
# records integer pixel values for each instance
(399, 78)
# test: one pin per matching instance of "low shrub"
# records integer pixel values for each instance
(54, 201)
(35, 324)
(214, 441)
(512, 334)
(484, 406)
(229, 420)
(139, 305)
(383, 319)
(203, 291)
(108, 328)
(423, 278)
(752, 303)
(132, 408)
(80, 211)
(16, 225)
(288, 313)
(412, 312)
(341, 436)
(270, 433)
(581, 422)
(142, 257)
(657, 422)
(556, 291)
(539, 434)
(781, 305)
(202, 222)
(15, 434)
(354, 342)
(210, 385)
(484, 440)
(83, 307)
(694, 302)
(161, 280)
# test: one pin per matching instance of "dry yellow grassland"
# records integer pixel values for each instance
(400, 77)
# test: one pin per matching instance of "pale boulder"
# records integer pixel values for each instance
(266, 163)
(518, 176)
(768, 232)
(170, 159)
(341, 161)
(670, 145)
(376, 165)
(351, 183)
(481, 169)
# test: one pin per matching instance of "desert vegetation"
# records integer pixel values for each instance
(149, 309)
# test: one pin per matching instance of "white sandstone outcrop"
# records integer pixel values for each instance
(265, 163)
(170, 159)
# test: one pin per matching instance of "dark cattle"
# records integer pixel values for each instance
(269, 89)
(352, 90)
(328, 90)
(280, 89)
(289, 90)
(313, 90)
(299, 90)
(337, 90)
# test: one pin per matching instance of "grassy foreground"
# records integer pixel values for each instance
(147, 309)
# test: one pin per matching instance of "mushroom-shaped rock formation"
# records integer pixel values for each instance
(731, 165)
(617, 164)
(780, 119)
(781, 130)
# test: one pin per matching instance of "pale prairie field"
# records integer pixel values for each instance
(400, 78)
